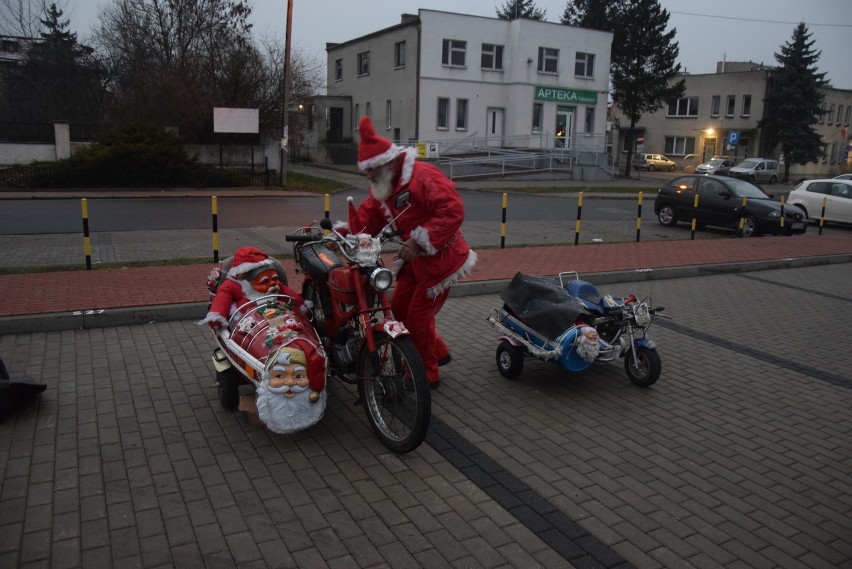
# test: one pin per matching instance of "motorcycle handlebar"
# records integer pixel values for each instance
(300, 238)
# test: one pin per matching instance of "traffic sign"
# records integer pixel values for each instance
(733, 137)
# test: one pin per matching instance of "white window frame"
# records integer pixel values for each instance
(494, 52)
(548, 57)
(683, 107)
(363, 66)
(745, 112)
(338, 70)
(537, 117)
(730, 105)
(442, 116)
(452, 48)
(679, 145)
(388, 114)
(585, 64)
(367, 110)
(399, 55)
(462, 109)
(590, 119)
(830, 114)
(839, 114)
(715, 105)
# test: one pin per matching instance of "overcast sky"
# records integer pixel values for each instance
(707, 32)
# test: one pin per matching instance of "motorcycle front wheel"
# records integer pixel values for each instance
(647, 372)
(393, 386)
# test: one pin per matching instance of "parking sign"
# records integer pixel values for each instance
(733, 137)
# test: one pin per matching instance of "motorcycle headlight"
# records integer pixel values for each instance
(381, 279)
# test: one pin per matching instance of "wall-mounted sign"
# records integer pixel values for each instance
(565, 95)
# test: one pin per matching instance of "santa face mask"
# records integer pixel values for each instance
(285, 402)
(266, 282)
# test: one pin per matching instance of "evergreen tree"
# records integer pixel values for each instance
(514, 9)
(794, 102)
(644, 68)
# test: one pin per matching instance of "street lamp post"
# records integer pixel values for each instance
(285, 134)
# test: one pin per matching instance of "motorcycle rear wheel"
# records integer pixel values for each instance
(395, 392)
(648, 371)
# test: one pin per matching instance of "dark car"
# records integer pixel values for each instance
(720, 204)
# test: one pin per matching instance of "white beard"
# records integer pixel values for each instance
(252, 294)
(284, 415)
(383, 185)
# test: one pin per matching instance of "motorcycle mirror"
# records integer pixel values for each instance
(325, 223)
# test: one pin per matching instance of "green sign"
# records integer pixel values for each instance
(565, 95)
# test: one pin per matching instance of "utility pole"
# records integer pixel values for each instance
(285, 144)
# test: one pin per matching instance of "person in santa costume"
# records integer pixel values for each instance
(425, 205)
(252, 275)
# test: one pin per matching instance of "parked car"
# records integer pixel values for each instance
(718, 166)
(843, 177)
(837, 192)
(720, 203)
(653, 162)
(756, 170)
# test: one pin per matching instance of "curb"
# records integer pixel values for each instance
(103, 318)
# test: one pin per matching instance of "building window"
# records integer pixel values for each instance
(679, 145)
(364, 63)
(461, 114)
(536, 117)
(311, 110)
(492, 56)
(443, 113)
(830, 113)
(399, 54)
(388, 115)
(839, 114)
(367, 110)
(684, 107)
(548, 59)
(584, 66)
(732, 103)
(715, 104)
(746, 111)
(357, 115)
(453, 53)
(338, 70)
(848, 112)
(590, 119)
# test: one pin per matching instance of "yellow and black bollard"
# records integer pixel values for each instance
(87, 244)
(782, 214)
(579, 219)
(503, 222)
(742, 217)
(215, 207)
(694, 216)
(639, 218)
(822, 215)
(328, 206)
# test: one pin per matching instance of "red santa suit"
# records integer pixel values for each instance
(234, 291)
(425, 205)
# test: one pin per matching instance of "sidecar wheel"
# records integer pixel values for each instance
(648, 371)
(510, 360)
(227, 385)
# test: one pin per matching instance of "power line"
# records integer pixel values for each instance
(810, 25)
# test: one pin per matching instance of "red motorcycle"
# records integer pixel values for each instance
(347, 282)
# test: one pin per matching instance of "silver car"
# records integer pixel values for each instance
(718, 166)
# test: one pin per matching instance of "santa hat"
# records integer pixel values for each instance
(247, 259)
(374, 150)
(302, 351)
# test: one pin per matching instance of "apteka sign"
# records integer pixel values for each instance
(565, 95)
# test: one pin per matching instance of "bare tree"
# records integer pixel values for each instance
(20, 18)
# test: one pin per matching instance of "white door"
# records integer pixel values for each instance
(564, 126)
(494, 127)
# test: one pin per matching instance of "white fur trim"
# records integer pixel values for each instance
(421, 237)
(214, 317)
(243, 268)
(380, 159)
(408, 165)
(340, 225)
(463, 271)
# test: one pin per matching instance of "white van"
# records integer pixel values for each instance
(756, 170)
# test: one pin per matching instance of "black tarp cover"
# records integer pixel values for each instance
(543, 305)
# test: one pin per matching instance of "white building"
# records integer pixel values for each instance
(459, 81)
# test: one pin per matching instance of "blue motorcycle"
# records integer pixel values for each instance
(573, 325)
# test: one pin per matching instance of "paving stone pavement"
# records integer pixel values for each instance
(738, 457)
